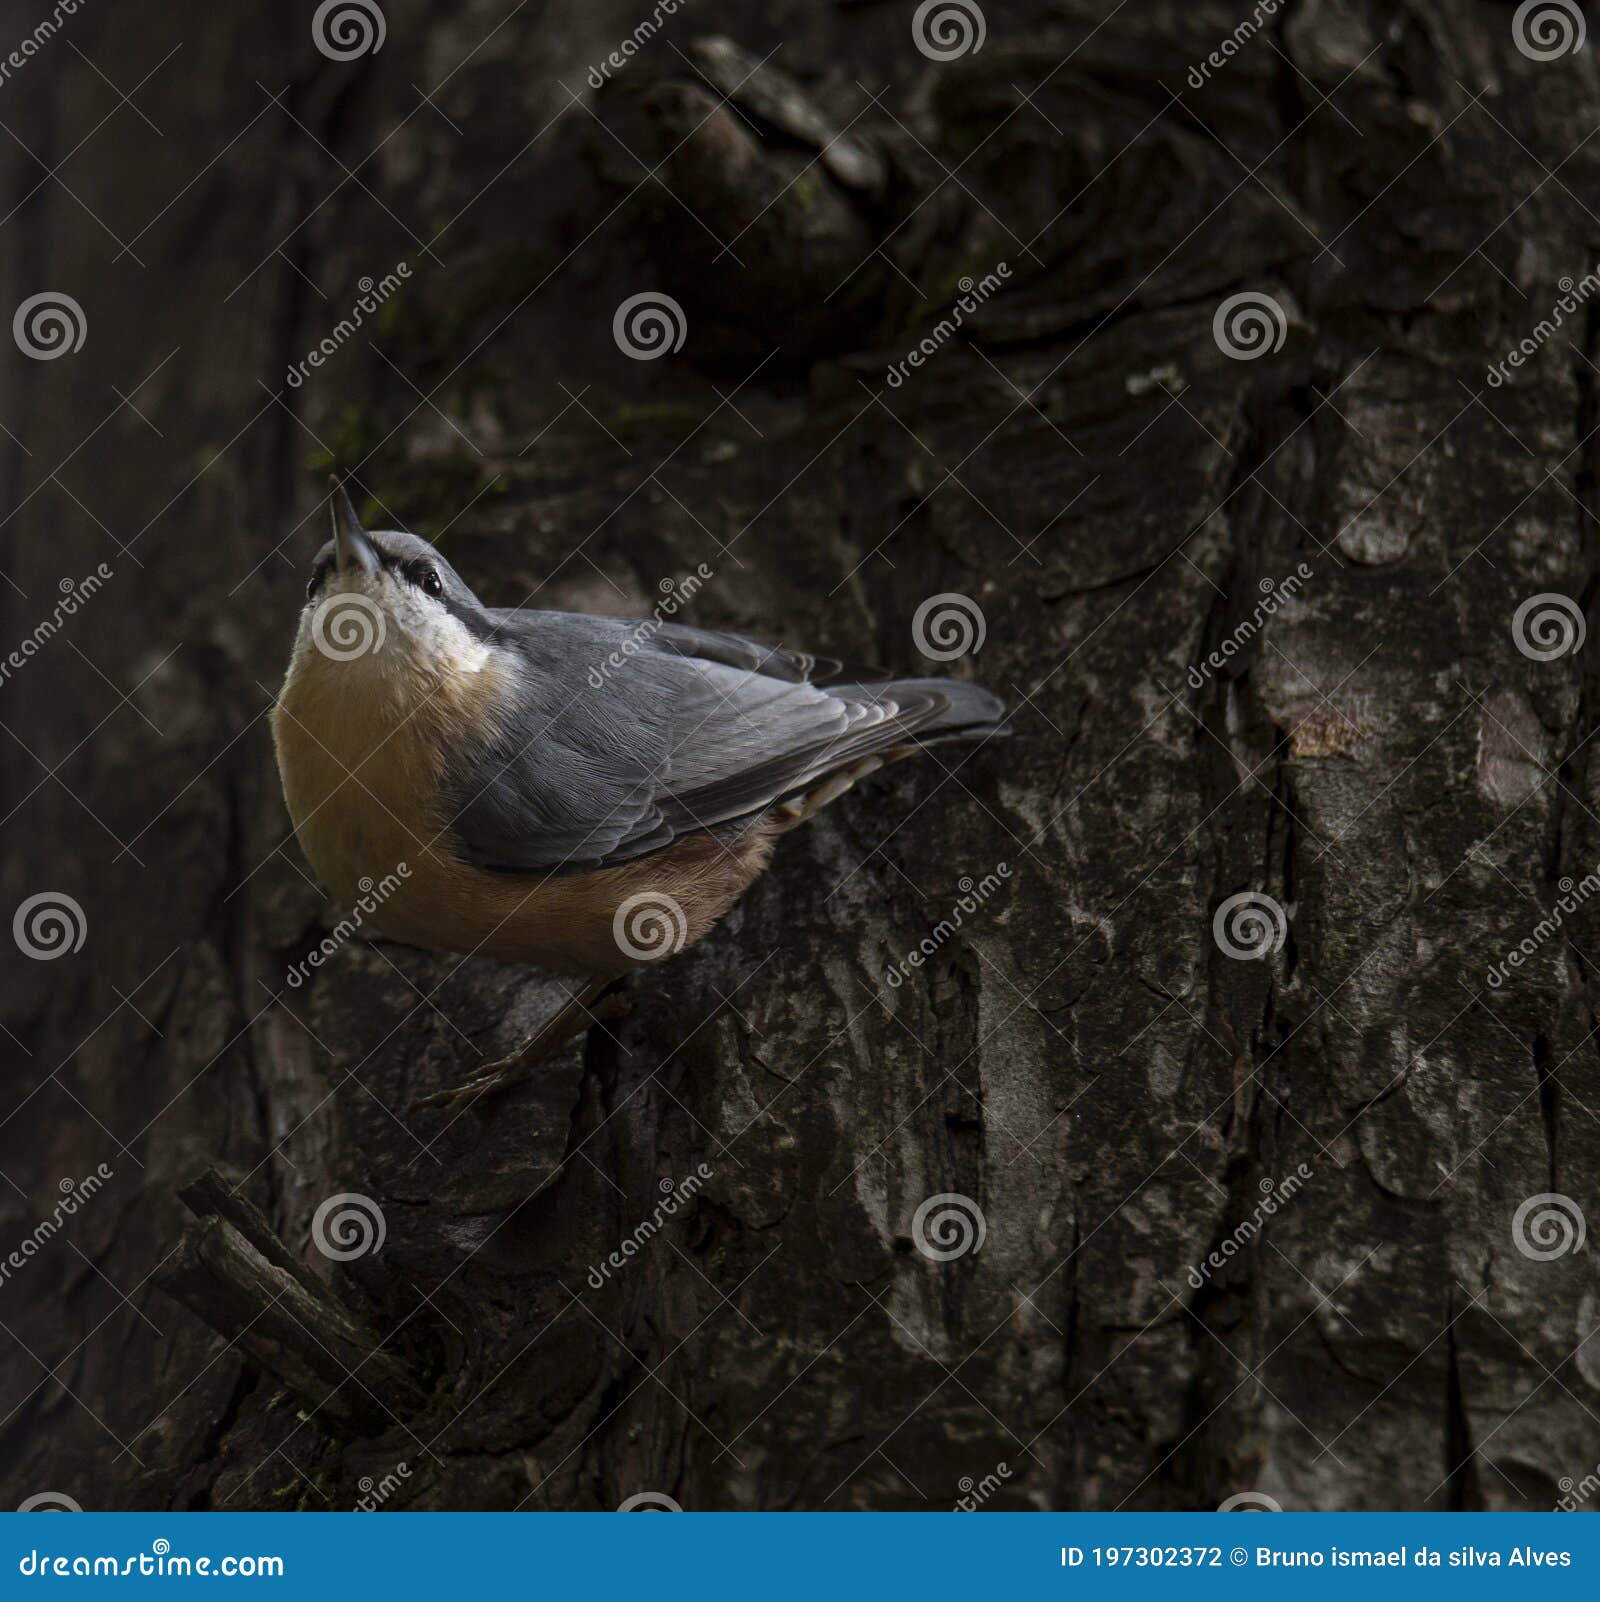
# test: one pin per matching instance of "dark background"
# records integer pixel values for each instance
(1082, 1062)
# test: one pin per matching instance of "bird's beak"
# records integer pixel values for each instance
(355, 551)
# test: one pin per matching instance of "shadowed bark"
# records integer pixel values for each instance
(1249, 574)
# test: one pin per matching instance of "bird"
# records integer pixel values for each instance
(582, 793)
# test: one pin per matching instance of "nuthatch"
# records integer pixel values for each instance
(584, 793)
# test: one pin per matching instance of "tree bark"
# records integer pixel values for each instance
(1274, 1225)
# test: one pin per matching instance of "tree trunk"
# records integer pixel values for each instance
(993, 1150)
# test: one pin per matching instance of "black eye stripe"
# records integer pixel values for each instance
(425, 576)
(417, 571)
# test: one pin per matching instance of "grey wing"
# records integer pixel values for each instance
(734, 650)
(569, 775)
(689, 732)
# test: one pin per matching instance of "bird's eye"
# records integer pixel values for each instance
(427, 579)
(313, 585)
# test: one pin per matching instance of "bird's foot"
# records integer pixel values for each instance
(499, 1075)
(519, 1067)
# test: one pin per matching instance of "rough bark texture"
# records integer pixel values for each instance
(1081, 1060)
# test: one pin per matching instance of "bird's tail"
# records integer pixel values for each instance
(969, 713)
(925, 712)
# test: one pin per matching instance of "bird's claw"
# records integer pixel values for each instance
(515, 1069)
(501, 1075)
